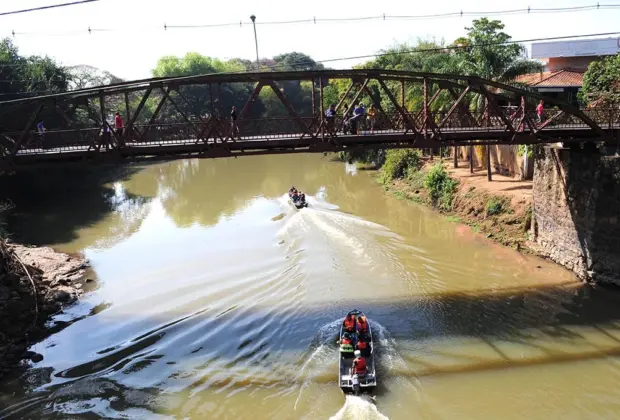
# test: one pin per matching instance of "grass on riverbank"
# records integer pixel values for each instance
(404, 174)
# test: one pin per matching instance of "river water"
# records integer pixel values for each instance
(216, 299)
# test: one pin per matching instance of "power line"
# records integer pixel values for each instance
(53, 6)
(315, 20)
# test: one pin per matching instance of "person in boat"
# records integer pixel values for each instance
(346, 343)
(292, 190)
(362, 325)
(359, 364)
(302, 197)
(349, 323)
(363, 345)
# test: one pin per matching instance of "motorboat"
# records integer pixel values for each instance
(352, 382)
(299, 200)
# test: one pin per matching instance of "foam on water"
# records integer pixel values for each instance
(358, 408)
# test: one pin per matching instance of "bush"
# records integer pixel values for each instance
(440, 187)
(398, 164)
(494, 206)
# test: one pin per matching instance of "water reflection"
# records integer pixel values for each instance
(220, 300)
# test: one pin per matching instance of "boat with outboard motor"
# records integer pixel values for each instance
(297, 198)
(356, 361)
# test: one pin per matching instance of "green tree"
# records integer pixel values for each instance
(198, 96)
(487, 53)
(601, 82)
(29, 76)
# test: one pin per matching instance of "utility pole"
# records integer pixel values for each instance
(255, 41)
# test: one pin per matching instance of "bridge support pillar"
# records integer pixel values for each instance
(576, 211)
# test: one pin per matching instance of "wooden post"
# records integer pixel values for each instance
(456, 158)
(211, 98)
(426, 116)
(127, 117)
(471, 159)
(106, 134)
(322, 108)
(313, 103)
(489, 177)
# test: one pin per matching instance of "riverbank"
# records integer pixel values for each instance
(35, 284)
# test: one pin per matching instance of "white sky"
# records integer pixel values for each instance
(137, 37)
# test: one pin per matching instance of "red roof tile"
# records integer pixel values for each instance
(560, 78)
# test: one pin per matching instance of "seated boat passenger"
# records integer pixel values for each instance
(302, 197)
(363, 346)
(346, 344)
(292, 190)
(362, 324)
(349, 323)
(359, 364)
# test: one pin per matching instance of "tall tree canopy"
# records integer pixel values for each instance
(601, 82)
(487, 53)
(29, 76)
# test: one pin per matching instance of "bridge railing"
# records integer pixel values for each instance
(210, 130)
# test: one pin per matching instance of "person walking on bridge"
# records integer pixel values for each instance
(41, 131)
(118, 124)
(540, 109)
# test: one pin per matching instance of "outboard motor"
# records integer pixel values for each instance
(355, 380)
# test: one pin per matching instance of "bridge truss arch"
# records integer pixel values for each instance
(191, 116)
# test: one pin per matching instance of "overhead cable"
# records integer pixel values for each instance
(53, 6)
(316, 20)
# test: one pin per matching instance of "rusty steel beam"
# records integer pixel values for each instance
(405, 116)
(27, 128)
(251, 99)
(344, 96)
(160, 105)
(290, 109)
(131, 122)
(378, 105)
(453, 108)
(464, 109)
(497, 109)
(187, 120)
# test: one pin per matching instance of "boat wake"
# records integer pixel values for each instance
(358, 408)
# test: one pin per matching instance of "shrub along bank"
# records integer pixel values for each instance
(404, 173)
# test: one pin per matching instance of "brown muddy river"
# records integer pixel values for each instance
(217, 299)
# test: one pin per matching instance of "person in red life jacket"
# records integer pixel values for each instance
(118, 123)
(362, 324)
(349, 323)
(346, 344)
(362, 345)
(359, 364)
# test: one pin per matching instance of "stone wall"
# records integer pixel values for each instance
(576, 206)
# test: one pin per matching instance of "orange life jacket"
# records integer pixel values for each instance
(362, 345)
(349, 324)
(360, 365)
(362, 325)
(345, 341)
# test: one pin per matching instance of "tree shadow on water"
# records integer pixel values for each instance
(52, 205)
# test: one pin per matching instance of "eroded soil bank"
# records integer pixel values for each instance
(35, 284)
